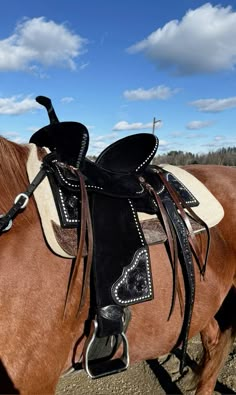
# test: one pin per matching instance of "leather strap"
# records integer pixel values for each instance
(180, 204)
(21, 202)
(85, 228)
(171, 238)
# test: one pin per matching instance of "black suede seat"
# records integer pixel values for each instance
(116, 170)
(130, 154)
(69, 139)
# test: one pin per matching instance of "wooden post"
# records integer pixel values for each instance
(154, 124)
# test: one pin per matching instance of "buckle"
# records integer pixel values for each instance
(103, 365)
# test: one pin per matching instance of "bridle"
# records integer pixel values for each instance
(21, 201)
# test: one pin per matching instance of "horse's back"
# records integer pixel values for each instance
(220, 180)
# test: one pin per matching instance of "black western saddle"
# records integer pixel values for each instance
(118, 185)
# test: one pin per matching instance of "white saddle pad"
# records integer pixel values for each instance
(209, 210)
(45, 202)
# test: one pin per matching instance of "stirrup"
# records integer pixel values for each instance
(101, 367)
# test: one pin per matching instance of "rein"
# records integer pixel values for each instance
(21, 201)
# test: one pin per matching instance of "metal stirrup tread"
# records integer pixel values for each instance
(103, 367)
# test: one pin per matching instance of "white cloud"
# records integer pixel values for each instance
(195, 125)
(163, 143)
(164, 146)
(195, 136)
(219, 138)
(19, 140)
(109, 136)
(83, 66)
(203, 41)
(124, 125)
(214, 105)
(96, 147)
(10, 134)
(15, 105)
(159, 92)
(67, 99)
(38, 41)
(98, 144)
(176, 134)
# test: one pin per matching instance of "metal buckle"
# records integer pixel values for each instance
(101, 367)
(8, 226)
(24, 196)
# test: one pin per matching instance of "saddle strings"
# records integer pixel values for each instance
(89, 241)
(172, 243)
(180, 204)
(85, 229)
(194, 249)
(173, 248)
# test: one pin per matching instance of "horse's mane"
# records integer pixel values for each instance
(13, 176)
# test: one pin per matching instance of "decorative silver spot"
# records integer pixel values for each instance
(147, 159)
(137, 224)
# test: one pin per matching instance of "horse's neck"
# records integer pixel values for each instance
(13, 177)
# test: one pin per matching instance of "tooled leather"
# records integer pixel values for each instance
(67, 238)
(135, 283)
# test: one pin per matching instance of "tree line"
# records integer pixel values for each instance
(223, 156)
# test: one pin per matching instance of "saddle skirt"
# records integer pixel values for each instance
(64, 241)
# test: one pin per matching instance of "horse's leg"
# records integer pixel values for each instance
(217, 339)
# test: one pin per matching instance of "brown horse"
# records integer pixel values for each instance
(37, 345)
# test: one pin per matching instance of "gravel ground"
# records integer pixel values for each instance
(151, 377)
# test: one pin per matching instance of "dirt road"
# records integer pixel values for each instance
(157, 377)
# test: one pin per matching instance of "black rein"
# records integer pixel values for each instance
(21, 201)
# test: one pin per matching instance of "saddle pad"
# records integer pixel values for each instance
(54, 234)
(209, 208)
(63, 241)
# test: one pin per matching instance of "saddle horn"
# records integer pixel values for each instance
(47, 103)
(68, 139)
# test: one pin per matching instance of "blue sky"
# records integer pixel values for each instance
(115, 65)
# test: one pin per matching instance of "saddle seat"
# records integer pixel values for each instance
(129, 155)
(116, 171)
